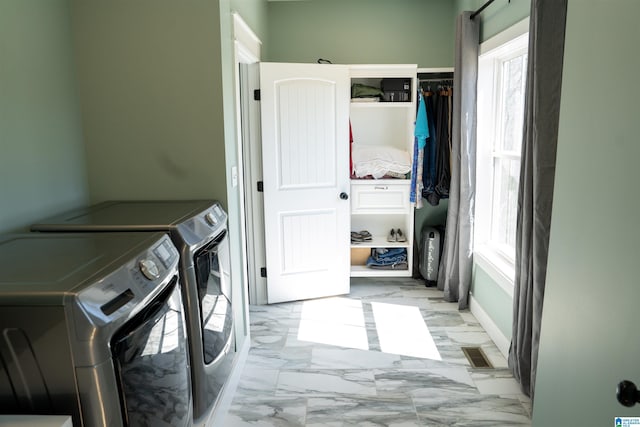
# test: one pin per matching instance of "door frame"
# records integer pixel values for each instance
(247, 50)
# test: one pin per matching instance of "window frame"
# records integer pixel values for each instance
(494, 259)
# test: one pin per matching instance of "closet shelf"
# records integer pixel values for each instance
(364, 271)
(381, 181)
(357, 104)
(381, 242)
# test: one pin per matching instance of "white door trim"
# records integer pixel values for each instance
(247, 50)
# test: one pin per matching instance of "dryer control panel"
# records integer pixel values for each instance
(203, 226)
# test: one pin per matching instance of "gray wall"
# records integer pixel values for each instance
(362, 31)
(42, 165)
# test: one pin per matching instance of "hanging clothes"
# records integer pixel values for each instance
(436, 174)
(421, 134)
(351, 171)
(430, 155)
(443, 125)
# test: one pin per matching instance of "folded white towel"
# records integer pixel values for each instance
(378, 161)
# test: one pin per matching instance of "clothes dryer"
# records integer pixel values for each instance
(93, 326)
(199, 230)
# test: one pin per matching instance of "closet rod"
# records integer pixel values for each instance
(477, 12)
(444, 79)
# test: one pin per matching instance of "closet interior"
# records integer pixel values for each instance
(385, 167)
(382, 114)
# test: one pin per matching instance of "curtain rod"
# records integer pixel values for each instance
(477, 12)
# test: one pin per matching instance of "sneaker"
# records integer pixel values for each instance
(356, 237)
(392, 236)
(400, 236)
(366, 236)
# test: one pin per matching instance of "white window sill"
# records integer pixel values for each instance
(501, 270)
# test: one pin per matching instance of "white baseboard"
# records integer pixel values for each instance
(496, 335)
(224, 404)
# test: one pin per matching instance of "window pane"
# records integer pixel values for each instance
(501, 104)
(505, 202)
(514, 73)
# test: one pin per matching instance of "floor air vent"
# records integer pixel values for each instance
(476, 357)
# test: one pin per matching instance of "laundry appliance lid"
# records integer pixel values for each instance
(123, 215)
(38, 268)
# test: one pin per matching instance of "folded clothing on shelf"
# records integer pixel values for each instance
(379, 161)
(388, 258)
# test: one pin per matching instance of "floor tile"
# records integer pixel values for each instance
(361, 411)
(352, 359)
(326, 382)
(457, 407)
(267, 412)
(330, 362)
(499, 382)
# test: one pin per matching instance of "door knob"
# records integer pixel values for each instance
(344, 196)
(627, 393)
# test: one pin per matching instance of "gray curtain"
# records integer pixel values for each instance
(537, 171)
(454, 275)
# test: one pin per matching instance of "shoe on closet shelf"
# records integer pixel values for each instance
(362, 236)
(366, 236)
(400, 237)
(392, 236)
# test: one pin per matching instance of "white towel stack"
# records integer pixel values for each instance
(379, 161)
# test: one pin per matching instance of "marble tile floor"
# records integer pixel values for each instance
(344, 361)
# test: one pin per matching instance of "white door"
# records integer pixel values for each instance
(305, 157)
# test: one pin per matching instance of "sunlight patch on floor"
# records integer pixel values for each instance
(334, 321)
(402, 330)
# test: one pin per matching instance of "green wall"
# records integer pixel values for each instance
(42, 165)
(362, 31)
(497, 16)
(151, 88)
(493, 300)
(589, 339)
(254, 13)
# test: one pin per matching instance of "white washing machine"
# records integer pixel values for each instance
(92, 326)
(198, 228)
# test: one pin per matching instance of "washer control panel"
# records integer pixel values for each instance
(149, 269)
(119, 292)
(211, 219)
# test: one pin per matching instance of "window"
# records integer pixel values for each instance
(501, 95)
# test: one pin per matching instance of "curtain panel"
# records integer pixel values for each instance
(537, 172)
(454, 275)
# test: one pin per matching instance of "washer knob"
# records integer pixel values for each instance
(211, 219)
(149, 269)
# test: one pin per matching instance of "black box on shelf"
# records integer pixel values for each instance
(396, 89)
